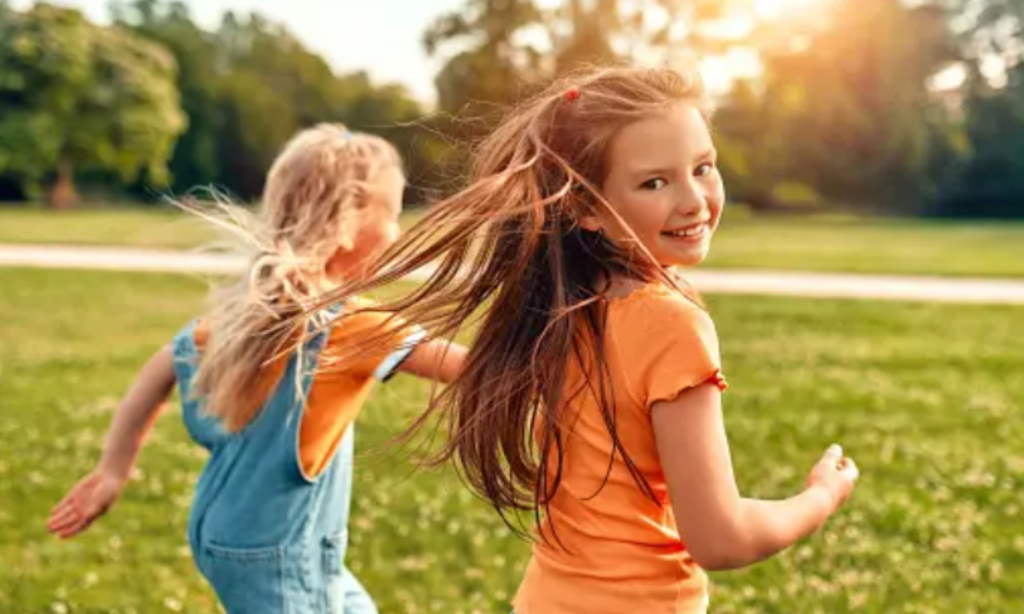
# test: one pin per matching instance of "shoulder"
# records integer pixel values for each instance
(192, 337)
(359, 314)
(655, 323)
(666, 341)
(659, 307)
(362, 320)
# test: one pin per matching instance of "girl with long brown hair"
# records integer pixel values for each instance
(268, 526)
(592, 393)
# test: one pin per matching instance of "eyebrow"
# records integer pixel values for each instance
(705, 155)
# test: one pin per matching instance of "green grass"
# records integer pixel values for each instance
(925, 247)
(162, 227)
(156, 227)
(809, 244)
(927, 397)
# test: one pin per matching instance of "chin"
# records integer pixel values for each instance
(685, 260)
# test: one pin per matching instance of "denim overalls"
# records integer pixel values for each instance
(267, 538)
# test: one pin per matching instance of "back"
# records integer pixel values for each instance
(252, 492)
(620, 550)
(271, 508)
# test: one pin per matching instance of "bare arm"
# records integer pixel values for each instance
(439, 360)
(135, 417)
(92, 496)
(721, 529)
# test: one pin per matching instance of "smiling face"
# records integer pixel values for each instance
(663, 182)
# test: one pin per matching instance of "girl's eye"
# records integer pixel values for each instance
(703, 170)
(654, 184)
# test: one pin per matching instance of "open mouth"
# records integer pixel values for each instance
(694, 231)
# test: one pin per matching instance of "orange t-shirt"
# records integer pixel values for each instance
(337, 395)
(617, 550)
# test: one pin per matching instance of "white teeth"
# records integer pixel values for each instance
(688, 232)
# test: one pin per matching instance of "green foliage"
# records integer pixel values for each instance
(838, 111)
(249, 85)
(989, 182)
(196, 157)
(845, 105)
(76, 95)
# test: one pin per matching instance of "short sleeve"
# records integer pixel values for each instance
(675, 348)
(413, 336)
(379, 364)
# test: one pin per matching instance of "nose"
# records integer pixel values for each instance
(692, 199)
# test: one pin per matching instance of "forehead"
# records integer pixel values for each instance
(673, 137)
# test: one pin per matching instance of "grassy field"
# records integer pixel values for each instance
(157, 227)
(924, 247)
(928, 398)
(152, 228)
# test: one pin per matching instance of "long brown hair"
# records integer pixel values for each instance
(511, 242)
(313, 188)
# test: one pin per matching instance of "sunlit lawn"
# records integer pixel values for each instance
(928, 398)
(927, 247)
(794, 243)
(154, 227)
(161, 227)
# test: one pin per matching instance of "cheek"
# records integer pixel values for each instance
(383, 233)
(638, 209)
(652, 211)
(716, 201)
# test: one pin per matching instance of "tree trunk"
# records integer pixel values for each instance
(62, 194)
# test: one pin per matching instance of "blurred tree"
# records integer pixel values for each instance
(499, 52)
(581, 33)
(272, 75)
(195, 160)
(76, 95)
(490, 61)
(845, 108)
(493, 61)
(249, 85)
(506, 49)
(990, 181)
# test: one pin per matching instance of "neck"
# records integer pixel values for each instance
(622, 285)
(340, 271)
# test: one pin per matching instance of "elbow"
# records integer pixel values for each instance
(717, 559)
(726, 553)
(456, 365)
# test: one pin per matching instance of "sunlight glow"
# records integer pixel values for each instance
(720, 71)
(775, 9)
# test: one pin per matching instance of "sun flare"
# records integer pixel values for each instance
(772, 9)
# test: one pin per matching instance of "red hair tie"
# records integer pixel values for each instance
(572, 94)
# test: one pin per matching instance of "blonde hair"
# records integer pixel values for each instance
(317, 182)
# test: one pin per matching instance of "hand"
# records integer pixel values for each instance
(836, 475)
(87, 501)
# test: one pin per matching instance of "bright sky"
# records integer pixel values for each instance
(382, 37)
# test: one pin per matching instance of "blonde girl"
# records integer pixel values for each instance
(268, 525)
